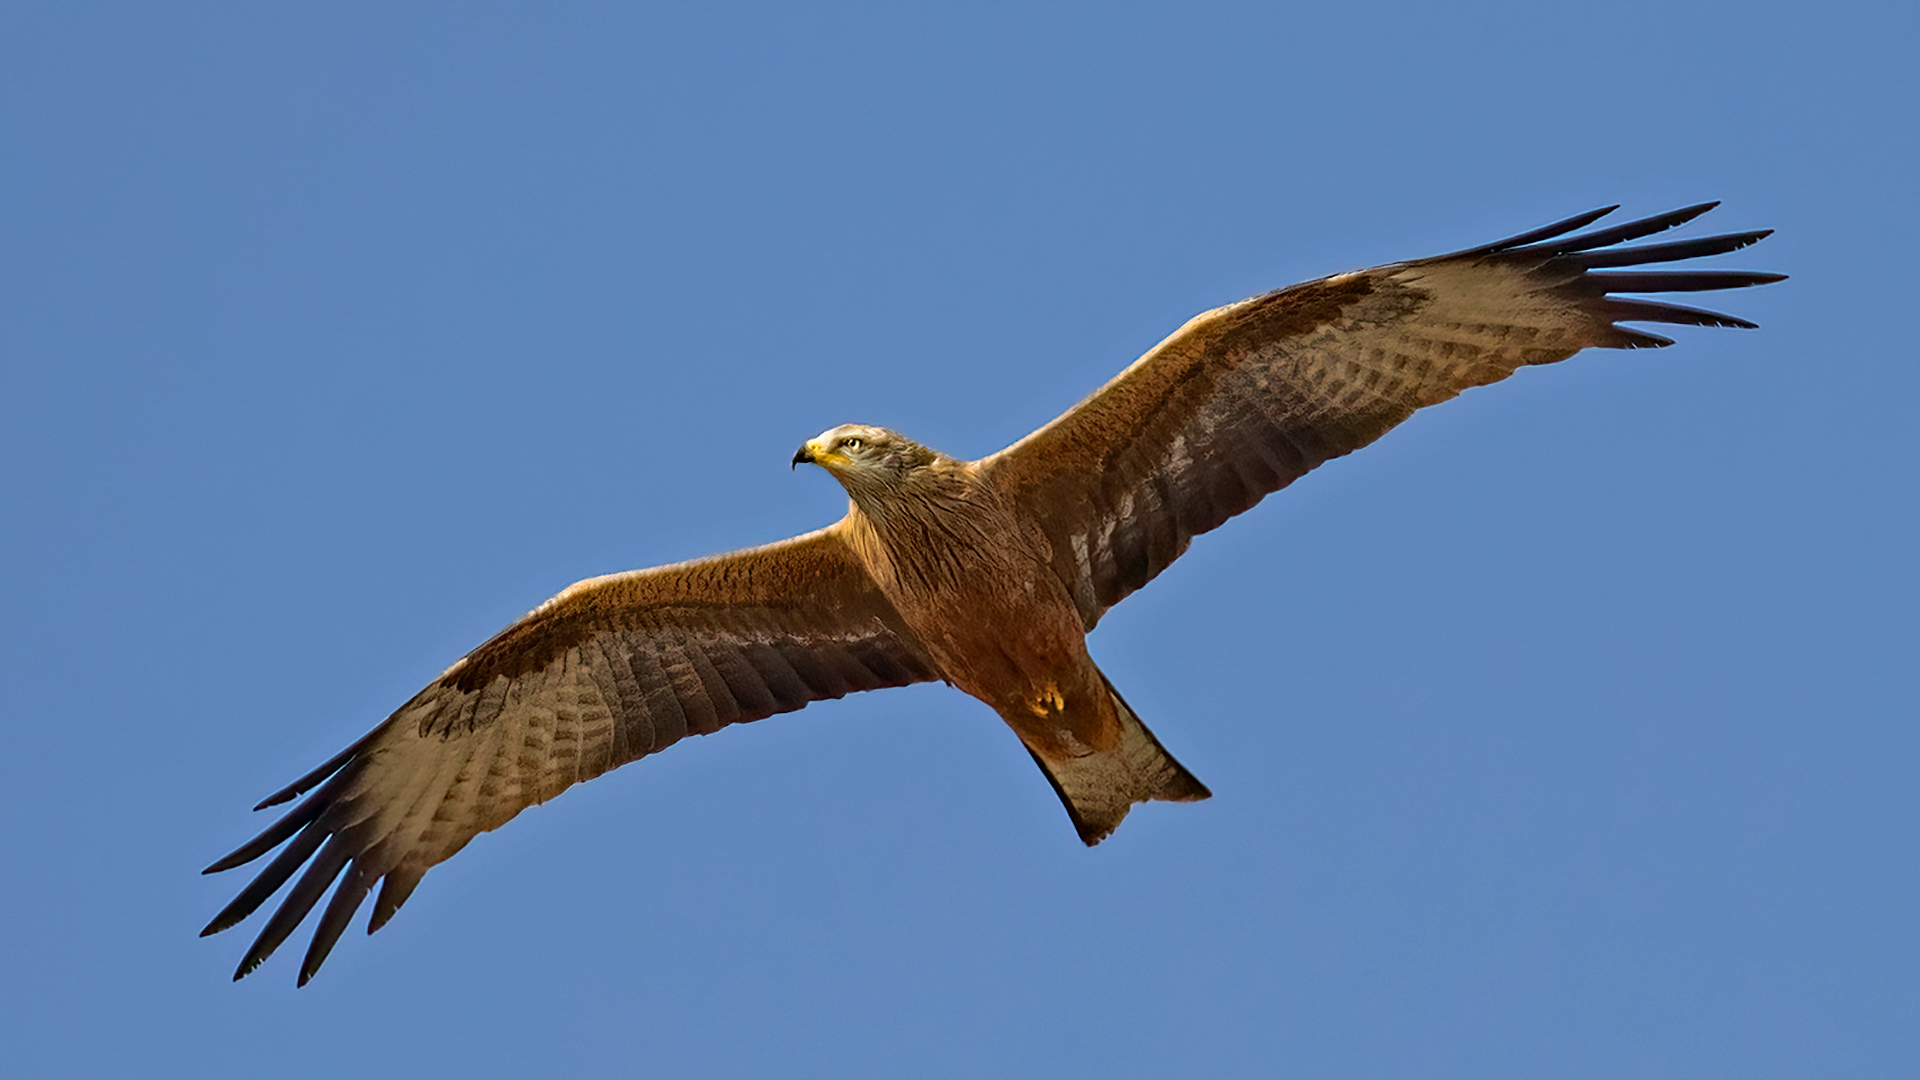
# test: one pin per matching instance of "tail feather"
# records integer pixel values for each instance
(1099, 788)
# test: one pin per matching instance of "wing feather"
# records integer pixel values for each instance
(609, 671)
(1245, 399)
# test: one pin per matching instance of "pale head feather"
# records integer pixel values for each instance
(867, 459)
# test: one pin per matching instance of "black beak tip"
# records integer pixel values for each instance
(801, 455)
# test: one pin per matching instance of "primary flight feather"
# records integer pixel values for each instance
(984, 574)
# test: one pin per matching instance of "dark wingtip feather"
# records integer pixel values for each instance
(1671, 251)
(1627, 338)
(1678, 314)
(1533, 236)
(394, 890)
(1645, 281)
(268, 882)
(298, 902)
(346, 900)
(277, 833)
(1620, 234)
(327, 768)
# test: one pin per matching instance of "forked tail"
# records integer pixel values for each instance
(1099, 788)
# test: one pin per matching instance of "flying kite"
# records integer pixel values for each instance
(986, 574)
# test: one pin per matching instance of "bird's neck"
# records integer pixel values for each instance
(931, 531)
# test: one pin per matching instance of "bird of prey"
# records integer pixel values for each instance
(985, 574)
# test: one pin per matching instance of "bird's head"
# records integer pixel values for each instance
(863, 457)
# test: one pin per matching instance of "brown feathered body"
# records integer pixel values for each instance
(987, 574)
(972, 576)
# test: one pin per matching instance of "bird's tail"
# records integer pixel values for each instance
(1099, 788)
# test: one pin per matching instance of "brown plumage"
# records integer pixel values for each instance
(984, 574)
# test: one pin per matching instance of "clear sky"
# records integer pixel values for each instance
(1570, 731)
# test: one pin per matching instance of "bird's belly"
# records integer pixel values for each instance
(1026, 657)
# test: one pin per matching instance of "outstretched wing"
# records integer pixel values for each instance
(1245, 399)
(612, 669)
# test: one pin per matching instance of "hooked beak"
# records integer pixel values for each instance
(804, 454)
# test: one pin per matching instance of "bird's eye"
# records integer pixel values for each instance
(851, 444)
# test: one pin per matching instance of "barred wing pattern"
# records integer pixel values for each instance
(1245, 399)
(611, 670)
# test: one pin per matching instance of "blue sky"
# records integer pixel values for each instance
(1567, 732)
